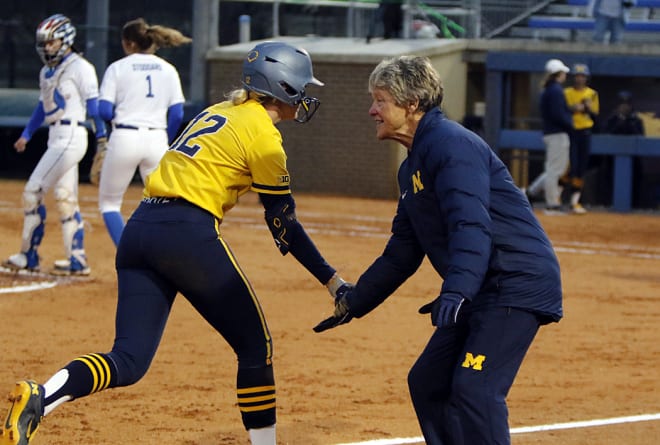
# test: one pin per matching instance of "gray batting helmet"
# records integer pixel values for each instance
(581, 68)
(54, 27)
(282, 71)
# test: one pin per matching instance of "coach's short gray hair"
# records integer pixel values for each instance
(408, 79)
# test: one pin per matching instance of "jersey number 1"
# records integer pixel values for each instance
(149, 93)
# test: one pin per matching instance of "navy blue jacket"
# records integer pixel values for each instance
(459, 207)
(557, 117)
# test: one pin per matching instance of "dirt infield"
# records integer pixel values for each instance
(346, 385)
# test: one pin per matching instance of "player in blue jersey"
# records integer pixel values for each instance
(173, 244)
(499, 278)
(68, 94)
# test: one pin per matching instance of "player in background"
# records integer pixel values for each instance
(68, 92)
(583, 101)
(141, 94)
(172, 243)
(499, 276)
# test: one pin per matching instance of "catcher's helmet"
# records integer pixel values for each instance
(54, 27)
(282, 71)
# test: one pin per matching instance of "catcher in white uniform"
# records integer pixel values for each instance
(141, 94)
(68, 92)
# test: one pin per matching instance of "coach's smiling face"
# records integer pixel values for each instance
(393, 121)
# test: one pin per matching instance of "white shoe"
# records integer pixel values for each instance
(19, 261)
(578, 209)
(554, 211)
(63, 268)
(62, 264)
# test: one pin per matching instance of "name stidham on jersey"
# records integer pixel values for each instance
(146, 66)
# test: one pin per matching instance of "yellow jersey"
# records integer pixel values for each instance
(582, 119)
(224, 152)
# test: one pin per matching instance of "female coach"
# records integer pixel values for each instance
(172, 243)
(500, 277)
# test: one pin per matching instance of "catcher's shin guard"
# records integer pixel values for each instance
(33, 230)
(33, 233)
(73, 234)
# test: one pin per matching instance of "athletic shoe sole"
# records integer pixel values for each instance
(55, 271)
(554, 212)
(9, 265)
(25, 413)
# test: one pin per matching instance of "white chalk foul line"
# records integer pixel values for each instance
(586, 423)
(529, 429)
(28, 287)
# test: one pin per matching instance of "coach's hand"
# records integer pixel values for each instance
(444, 309)
(342, 314)
(95, 172)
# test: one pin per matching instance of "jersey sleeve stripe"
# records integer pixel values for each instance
(269, 188)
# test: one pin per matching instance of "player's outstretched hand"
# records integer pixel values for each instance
(444, 309)
(342, 314)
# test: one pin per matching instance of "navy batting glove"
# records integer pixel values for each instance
(342, 314)
(444, 309)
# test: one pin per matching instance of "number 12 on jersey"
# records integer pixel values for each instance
(202, 125)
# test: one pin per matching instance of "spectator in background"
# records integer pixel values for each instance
(557, 125)
(624, 119)
(609, 15)
(583, 102)
(390, 12)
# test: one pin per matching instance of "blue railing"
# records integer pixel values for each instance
(622, 148)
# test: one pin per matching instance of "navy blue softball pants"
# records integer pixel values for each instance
(170, 247)
(459, 383)
(579, 155)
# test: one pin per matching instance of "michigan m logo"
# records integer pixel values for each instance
(417, 182)
(473, 362)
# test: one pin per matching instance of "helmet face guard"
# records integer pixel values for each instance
(306, 109)
(282, 71)
(54, 27)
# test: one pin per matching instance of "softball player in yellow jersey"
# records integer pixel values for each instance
(172, 244)
(583, 102)
(223, 153)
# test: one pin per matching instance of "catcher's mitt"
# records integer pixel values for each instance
(95, 171)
